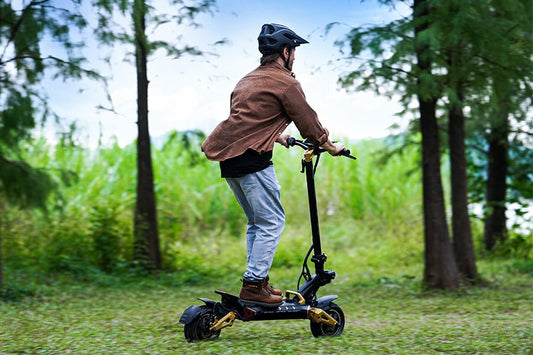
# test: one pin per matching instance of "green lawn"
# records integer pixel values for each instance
(141, 317)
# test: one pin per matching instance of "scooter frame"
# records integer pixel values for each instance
(326, 318)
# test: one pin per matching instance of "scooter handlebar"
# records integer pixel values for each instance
(308, 145)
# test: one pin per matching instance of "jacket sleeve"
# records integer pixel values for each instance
(303, 116)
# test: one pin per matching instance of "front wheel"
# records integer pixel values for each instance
(198, 328)
(324, 330)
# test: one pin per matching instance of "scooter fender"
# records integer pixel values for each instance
(325, 301)
(194, 311)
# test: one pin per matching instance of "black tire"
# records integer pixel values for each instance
(324, 330)
(198, 329)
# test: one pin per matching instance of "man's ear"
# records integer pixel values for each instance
(286, 52)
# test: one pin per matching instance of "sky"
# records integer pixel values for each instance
(193, 92)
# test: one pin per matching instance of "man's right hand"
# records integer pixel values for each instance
(333, 148)
(282, 139)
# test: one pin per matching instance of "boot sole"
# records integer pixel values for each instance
(262, 304)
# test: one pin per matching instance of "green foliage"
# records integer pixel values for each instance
(477, 58)
(13, 293)
(521, 173)
(16, 119)
(179, 13)
(201, 226)
(517, 246)
(23, 184)
(105, 237)
(66, 248)
(16, 175)
(476, 43)
(24, 27)
(519, 193)
(370, 213)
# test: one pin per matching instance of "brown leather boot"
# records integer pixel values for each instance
(255, 294)
(272, 290)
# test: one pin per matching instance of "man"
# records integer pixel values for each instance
(263, 104)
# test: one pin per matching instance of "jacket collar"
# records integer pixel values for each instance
(277, 65)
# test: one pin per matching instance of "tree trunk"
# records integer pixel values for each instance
(1, 264)
(498, 163)
(461, 229)
(440, 268)
(146, 245)
(3, 209)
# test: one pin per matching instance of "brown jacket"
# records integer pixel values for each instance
(263, 104)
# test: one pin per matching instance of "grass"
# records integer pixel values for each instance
(140, 316)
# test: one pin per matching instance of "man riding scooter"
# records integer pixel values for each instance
(263, 103)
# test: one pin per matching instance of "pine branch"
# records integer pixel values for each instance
(496, 64)
(15, 28)
(17, 164)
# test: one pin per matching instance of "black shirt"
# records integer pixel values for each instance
(247, 163)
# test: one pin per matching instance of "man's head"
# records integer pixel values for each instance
(278, 41)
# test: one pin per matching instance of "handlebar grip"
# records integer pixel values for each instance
(306, 145)
(346, 152)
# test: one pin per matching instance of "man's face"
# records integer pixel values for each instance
(289, 53)
(291, 61)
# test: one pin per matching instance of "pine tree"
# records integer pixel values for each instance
(141, 14)
(465, 52)
(507, 63)
(24, 26)
(440, 269)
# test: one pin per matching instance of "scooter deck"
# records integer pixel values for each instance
(288, 309)
(231, 300)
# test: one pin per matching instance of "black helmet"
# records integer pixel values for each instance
(274, 37)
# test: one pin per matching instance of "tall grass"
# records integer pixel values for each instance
(370, 212)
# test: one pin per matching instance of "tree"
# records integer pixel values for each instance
(397, 46)
(145, 227)
(24, 26)
(508, 65)
(456, 29)
(440, 268)
(146, 236)
(456, 45)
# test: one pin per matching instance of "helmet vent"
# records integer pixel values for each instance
(270, 29)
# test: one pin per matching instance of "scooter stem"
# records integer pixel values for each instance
(318, 258)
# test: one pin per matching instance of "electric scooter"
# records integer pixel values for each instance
(326, 317)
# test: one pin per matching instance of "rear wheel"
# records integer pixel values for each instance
(324, 330)
(198, 328)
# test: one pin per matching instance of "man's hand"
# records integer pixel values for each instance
(333, 148)
(282, 139)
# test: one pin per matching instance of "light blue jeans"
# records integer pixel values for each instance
(259, 196)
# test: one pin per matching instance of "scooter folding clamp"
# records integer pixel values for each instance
(309, 154)
(319, 258)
